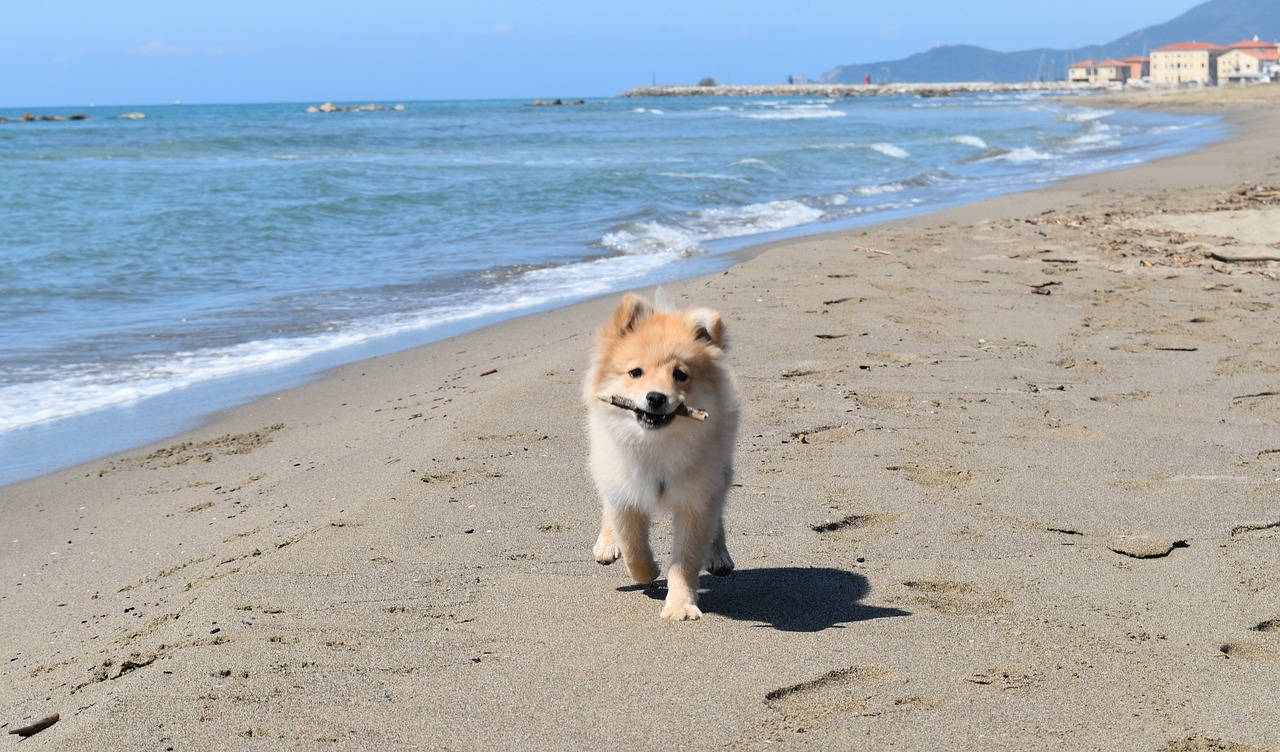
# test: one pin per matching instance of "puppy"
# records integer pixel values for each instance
(652, 369)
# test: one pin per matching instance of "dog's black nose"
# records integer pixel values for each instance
(655, 400)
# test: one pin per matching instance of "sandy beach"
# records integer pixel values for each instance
(1008, 478)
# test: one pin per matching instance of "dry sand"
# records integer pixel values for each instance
(1008, 479)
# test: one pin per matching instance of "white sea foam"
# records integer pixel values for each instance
(80, 390)
(799, 112)
(973, 141)
(752, 219)
(878, 190)
(705, 176)
(752, 161)
(685, 237)
(1100, 137)
(1025, 154)
(646, 238)
(86, 389)
(1086, 114)
(889, 150)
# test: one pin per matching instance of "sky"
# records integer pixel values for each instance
(77, 53)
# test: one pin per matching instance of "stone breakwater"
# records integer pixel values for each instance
(78, 117)
(331, 107)
(837, 91)
(30, 118)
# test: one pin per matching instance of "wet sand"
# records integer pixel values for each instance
(1008, 478)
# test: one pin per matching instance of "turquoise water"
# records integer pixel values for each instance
(154, 270)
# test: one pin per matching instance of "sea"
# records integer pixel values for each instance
(156, 270)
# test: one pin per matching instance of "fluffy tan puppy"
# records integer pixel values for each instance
(663, 419)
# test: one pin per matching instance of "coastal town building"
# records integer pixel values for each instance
(1098, 73)
(1250, 61)
(1186, 63)
(1139, 68)
(1109, 72)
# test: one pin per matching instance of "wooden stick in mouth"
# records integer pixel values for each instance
(683, 410)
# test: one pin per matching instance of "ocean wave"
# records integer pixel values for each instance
(650, 238)
(973, 141)
(752, 161)
(752, 219)
(919, 180)
(705, 176)
(794, 113)
(685, 236)
(889, 150)
(76, 390)
(1023, 154)
(879, 190)
(1086, 114)
(1101, 137)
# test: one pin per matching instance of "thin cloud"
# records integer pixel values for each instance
(160, 47)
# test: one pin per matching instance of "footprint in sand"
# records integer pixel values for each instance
(1264, 649)
(947, 479)
(828, 434)
(1270, 626)
(1252, 651)
(1199, 743)
(1263, 404)
(1001, 678)
(958, 598)
(844, 692)
(858, 528)
(195, 453)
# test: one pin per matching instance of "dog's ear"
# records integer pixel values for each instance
(630, 312)
(706, 326)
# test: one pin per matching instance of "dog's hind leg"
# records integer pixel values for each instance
(720, 563)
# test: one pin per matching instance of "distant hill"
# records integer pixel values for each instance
(1218, 21)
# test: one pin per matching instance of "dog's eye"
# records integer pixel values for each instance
(635, 373)
(680, 375)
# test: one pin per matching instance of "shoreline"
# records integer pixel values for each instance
(70, 440)
(967, 515)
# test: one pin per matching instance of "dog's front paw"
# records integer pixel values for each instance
(606, 550)
(680, 609)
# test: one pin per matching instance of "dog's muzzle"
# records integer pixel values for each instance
(654, 420)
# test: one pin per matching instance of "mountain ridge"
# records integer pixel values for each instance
(1218, 21)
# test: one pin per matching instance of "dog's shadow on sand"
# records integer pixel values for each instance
(790, 599)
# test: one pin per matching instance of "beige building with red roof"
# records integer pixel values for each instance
(1249, 61)
(1186, 63)
(1108, 72)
